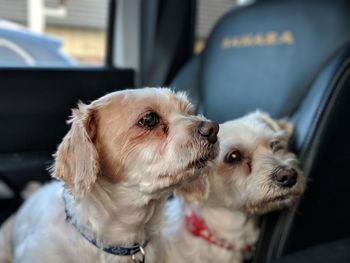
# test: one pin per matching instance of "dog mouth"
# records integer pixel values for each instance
(286, 197)
(193, 168)
(281, 198)
(196, 164)
(199, 163)
(272, 203)
(203, 160)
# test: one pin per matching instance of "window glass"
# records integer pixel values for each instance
(53, 32)
(208, 13)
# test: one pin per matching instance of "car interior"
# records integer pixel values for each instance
(290, 58)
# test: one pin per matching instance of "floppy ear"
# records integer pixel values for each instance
(194, 191)
(277, 125)
(286, 126)
(76, 160)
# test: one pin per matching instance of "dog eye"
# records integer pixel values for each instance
(276, 145)
(233, 157)
(149, 121)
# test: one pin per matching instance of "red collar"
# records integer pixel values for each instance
(198, 228)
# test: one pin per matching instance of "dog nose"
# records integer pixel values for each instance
(285, 177)
(209, 130)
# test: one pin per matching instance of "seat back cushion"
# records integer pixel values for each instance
(266, 55)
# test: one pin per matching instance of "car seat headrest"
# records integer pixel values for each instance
(266, 55)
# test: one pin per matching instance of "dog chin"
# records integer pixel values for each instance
(168, 182)
(194, 169)
(194, 186)
(272, 203)
(193, 178)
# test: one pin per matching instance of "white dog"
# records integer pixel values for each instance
(121, 159)
(254, 173)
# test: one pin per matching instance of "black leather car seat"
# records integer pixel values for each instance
(289, 58)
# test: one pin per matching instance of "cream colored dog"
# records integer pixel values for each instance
(121, 159)
(254, 173)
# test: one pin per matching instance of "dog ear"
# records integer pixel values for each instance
(194, 191)
(287, 126)
(76, 160)
(277, 125)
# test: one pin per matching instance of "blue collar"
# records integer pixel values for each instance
(115, 250)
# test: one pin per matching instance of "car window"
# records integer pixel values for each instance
(208, 14)
(53, 32)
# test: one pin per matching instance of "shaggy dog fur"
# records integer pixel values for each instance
(254, 173)
(124, 155)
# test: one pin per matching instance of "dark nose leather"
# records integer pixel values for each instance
(209, 130)
(285, 177)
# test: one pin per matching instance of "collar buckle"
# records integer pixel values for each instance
(142, 253)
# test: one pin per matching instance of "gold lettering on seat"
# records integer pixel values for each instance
(287, 38)
(247, 40)
(259, 40)
(271, 38)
